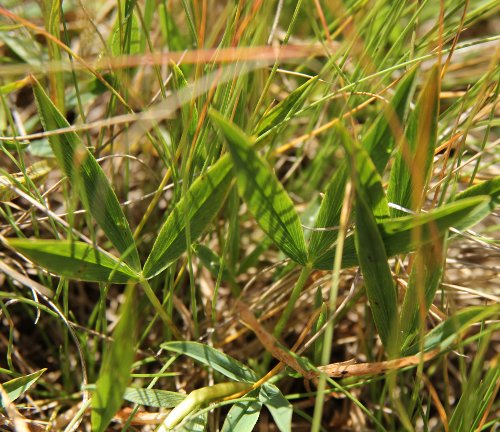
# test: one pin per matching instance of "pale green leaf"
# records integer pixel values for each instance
(242, 416)
(153, 397)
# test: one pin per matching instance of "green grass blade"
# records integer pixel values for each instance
(263, 193)
(397, 233)
(446, 333)
(378, 142)
(413, 164)
(115, 370)
(282, 110)
(214, 359)
(74, 260)
(189, 116)
(242, 416)
(489, 187)
(371, 204)
(425, 277)
(88, 178)
(203, 201)
(17, 386)
(278, 406)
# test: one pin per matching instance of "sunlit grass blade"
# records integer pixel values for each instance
(74, 260)
(114, 375)
(413, 164)
(489, 187)
(281, 111)
(203, 201)
(189, 114)
(397, 233)
(263, 193)
(88, 179)
(214, 359)
(17, 386)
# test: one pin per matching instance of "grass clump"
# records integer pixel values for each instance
(215, 212)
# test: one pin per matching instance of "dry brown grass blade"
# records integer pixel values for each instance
(270, 343)
(348, 369)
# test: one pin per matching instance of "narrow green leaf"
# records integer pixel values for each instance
(446, 333)
(189, 113)
(278, 406)
(379, 143)
(377, 275)
(282, 110)
(114, 375)
(489, 187)
(263, 193)
(425, 277)
(242, 416)
(213, 358)
(413, 164)
(203, 201)
(379, 139)
(74, 260)
(398, 233)
(88, 178)
(153, 397)
(366, 178)
(17, 386)
(36, 173)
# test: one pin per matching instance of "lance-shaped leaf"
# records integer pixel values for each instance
(153, 397)
(278, 406)
(115, 370)
(17, 386)
(370, 205)
(203, 201)
(398, 233)
(263, 193)
(413, 164)
(378, 142)
(74, 260)
(213, 358)
(88, 179)
(286, 107)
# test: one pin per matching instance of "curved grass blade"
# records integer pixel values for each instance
(489, 187)
(213, 358)
(115, 370)
(17, 386)
(203, 201)
(88, 178)
(74, 260)
(413, 164)
(263, 193)
(397, 233)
